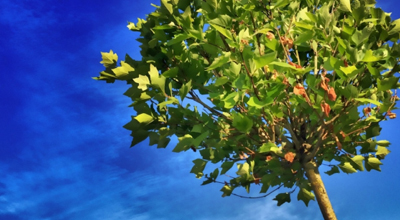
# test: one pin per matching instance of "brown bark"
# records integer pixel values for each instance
(319, 189)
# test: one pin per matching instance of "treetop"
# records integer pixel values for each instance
(264, 86)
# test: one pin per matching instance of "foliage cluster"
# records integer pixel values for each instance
(272, 85)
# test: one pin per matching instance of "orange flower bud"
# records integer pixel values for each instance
(289, 156)
(332, 94)
(270, 35)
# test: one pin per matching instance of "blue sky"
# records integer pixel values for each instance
(65, 155)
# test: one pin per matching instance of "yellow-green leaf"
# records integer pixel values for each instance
(305, 196)
(109, 58)
(123, 70)
(347, 168)
(157, 79)
(395, 27)
(221, 81)
(223, 31)
(253, 101)
(345, 5)
(264, 60)
(349, 70)
(144, 118)
(243, 169)
(143, 81)
(219, 61)
(364, 100)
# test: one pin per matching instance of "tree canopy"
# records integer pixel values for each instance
(269, 87)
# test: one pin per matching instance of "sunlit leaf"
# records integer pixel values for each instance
(219, 61)
(109, 58)
(345, 5)
(253, 101)
(198, 167)
(347, 168)
(143, 82)
(305, 196)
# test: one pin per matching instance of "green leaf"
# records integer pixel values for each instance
(168, 6)
(212, 3)
(269, 147)
(370, 57)
(280, 4)
(367, 101)
(253, 101)
(395, 27)
(222, 20)
(282, 198)
(157, 79)
(197, 141)
(263, 31)
(243, 169)
(387, 83)
(358, 160)
(208, 181)
(131, 26)
(184, 143)
(373, 130)
(373, 163)
(242, 122)
(383, 143)
(305, 36)
(171, 100)
(360, 37)
(230, 100)
(165, 26)
(227, 190)
(275, 90)
(208, 153)
(269, 180)
(122, 70)
(272, 44)
(264, 60)
(345, 5)
(178, 39)
(153, 138)
(235, 68)
(219, 61)
(221, 81)
(223, 31)
(144, 118)
(382, 152)
(143, 81)
(227, 165)
(334, 170)
(138, 136)
(374, 71)
(347, 168)
(241, 82)
(350, 70)
(282, 64)
(162, 143)
(171, 73)
(184, 90)
(109, 59)
(198, 167)
(308, 33)
(215, 173)
(197, 128)
(305, 196)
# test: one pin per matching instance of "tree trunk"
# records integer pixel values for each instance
(318, 187)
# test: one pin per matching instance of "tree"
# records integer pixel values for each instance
(275, 87)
